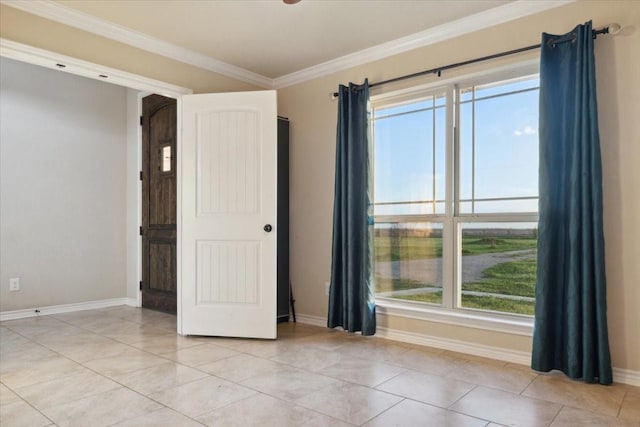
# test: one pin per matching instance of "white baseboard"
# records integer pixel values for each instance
(624, 376)
(498, 353)
(311, 320)
(65, 308)
(132, 302)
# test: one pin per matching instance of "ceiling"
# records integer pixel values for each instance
(265, 41)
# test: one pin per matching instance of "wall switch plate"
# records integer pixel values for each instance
(326, 288)
(14, 284)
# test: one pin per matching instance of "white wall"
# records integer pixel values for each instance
(62, 187)
(134, 196)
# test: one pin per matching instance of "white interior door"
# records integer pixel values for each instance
(228, 197)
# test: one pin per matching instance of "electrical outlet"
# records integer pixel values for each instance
(326, 288)
(14, 284)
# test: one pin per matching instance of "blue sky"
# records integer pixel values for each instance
(506, 150)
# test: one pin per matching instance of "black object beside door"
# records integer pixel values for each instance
(283, 286)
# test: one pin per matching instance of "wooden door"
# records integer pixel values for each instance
(228, 225)
(159, 203)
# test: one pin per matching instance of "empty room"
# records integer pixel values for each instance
(319, 213)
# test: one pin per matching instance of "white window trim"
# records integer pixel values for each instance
(466, 317)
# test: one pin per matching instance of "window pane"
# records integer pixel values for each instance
(409, 159)
(408, 261)
(166, 158)
(506, 152)
(403, 158)
(498, 263)
(499, 151)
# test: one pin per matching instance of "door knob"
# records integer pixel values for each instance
(268, 228)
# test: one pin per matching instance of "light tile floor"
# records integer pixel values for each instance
(124, 366)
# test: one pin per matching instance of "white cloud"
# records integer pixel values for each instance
(527, 130)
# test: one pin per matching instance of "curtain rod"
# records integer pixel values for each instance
(613, 29)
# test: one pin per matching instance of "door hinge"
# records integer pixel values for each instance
(141, 231)
(140, 175)
(141, 120)
(140, 284)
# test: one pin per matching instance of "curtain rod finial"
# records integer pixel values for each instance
(614, 28)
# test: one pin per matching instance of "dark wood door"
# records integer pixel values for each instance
(159, 203)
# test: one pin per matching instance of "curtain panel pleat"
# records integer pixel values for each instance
(570, 332)
(351, 298)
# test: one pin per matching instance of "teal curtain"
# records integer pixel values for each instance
(570, 332)
(351, 299)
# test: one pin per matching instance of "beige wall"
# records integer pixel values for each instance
(38, 32)
(313, 118)
(313, 113)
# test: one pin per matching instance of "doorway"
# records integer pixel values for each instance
(159, 194)
(175, 278)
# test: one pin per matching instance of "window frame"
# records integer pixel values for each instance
(451, 311)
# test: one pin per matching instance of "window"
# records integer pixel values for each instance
(166, 159)
(456, 194)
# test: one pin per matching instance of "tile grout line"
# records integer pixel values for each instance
(319, 337)
(29, 403)
(556, 415)
(528, 385)
(188, 382)
(624, 397)
(138, 370)
(386, 410)
(96, 372)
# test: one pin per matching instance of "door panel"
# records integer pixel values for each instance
(228, 161)
(162, 272)
(227, 272)
(159, 123)
(162, 178)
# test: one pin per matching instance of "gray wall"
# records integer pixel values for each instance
(62, 187)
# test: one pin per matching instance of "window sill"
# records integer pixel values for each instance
(514, 325)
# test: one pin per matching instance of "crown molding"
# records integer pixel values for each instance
(65, 15)
(55, 12)
(52, 60)
(450, 30)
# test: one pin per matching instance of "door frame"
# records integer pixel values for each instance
(144, 85)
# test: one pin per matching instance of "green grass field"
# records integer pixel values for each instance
(507, 278)
(488, 245)
(516, 277)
